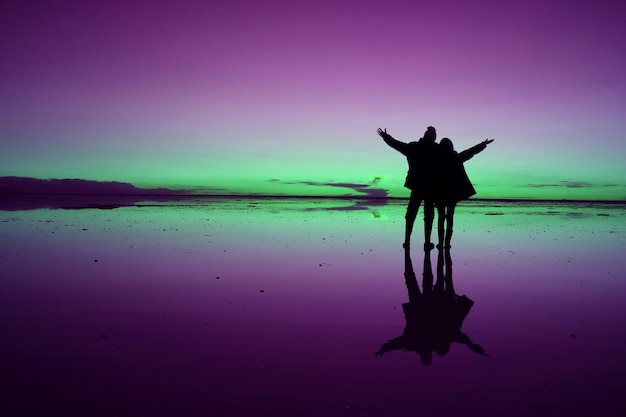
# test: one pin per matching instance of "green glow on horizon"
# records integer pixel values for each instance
(511, 185)
(507, 169)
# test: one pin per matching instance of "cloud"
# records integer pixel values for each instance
(571, 184)
(207, 190)
(372, 196)
(367, 189)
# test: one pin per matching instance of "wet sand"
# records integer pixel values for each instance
(242, 307)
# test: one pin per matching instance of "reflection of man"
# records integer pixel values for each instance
(422, 159)
(434, 317)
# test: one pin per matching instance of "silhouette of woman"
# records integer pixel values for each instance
(434, 316)
(453, 185)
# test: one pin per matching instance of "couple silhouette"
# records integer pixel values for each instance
(437, 177)
(434, 316)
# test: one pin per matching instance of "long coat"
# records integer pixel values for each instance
(453, 184)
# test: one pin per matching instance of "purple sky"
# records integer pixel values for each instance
(192, 93)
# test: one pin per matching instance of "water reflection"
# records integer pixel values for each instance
(435, 315)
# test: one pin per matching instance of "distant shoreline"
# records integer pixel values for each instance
(26, 188)
(357, 197)
(177, 196)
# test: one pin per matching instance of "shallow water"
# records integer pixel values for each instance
(267, 307)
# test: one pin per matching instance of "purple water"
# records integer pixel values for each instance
(242, 307)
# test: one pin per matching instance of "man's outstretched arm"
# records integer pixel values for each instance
(394, 143)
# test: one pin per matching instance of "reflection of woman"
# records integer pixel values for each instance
(435, 315)
(453, 185)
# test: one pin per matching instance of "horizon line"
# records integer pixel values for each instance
(59, 187)
(306, 196)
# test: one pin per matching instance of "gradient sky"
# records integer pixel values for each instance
(284, 97)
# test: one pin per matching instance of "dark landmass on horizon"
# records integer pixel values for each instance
(25, 185)
(23, 193)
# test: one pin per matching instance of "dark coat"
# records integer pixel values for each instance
(453, 184)
(422, 158)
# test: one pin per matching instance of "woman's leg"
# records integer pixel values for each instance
(449, 223)
(441, 223)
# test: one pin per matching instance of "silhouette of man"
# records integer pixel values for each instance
(422, 158)
(434, 317)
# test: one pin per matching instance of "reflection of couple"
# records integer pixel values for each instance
(437, 177)
(435, 315)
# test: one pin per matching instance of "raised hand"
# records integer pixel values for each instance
(382, 133)
(488, 141)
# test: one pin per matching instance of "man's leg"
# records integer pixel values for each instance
(429, 216)
(411, 213)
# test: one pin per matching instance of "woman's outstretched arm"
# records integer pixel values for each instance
(469, 153)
